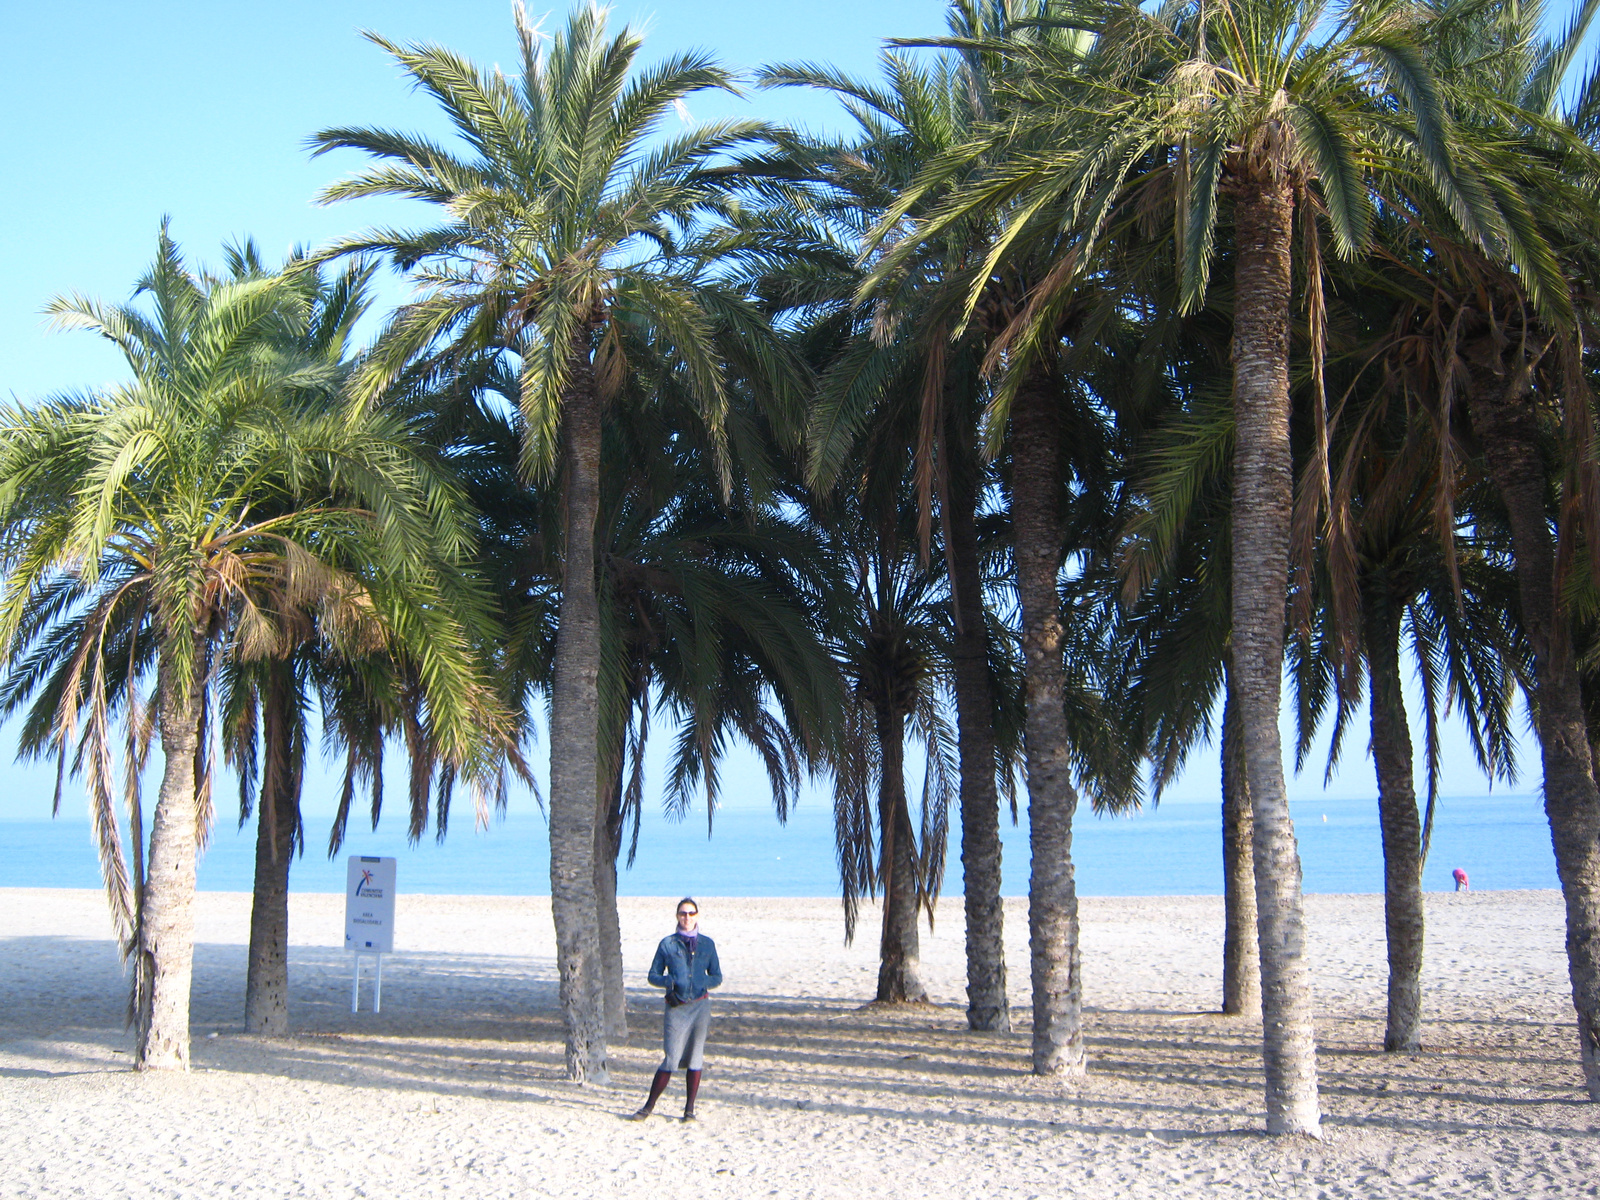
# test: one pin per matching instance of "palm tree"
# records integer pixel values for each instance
(1175, 566)
(1253, 110)
(1507, 339)
(913, 114)
(320, 629)
(1451, 607)
(895, 647)
(712, 604)
(143, 526)
(563, 225)
(1381, 565)
(928, 275)
(1398, 565)
(1463, 638)
(713, 615)
(1058, 438)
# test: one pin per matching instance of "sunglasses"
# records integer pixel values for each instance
(688, 912)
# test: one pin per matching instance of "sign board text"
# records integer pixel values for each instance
(369, 905)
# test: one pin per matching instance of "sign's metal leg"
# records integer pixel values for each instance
(355, 984)
(377, 994)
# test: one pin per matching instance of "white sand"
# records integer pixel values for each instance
(456, 1089)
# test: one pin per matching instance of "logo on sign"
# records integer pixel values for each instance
(364, 887)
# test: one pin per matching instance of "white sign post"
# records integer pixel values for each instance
(369, 919)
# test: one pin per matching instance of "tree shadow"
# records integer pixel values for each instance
(487, 1025)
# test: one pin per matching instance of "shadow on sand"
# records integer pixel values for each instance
(486, 1026)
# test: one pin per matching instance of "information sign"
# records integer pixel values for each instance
(369, 905)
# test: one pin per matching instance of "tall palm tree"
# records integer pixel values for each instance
(1253, 110)
(922, 292)
(1507, 341)
(1057, 433)
(143, 526)
(564, 221)
(912, 114)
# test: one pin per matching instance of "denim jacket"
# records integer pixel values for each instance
(686, 976)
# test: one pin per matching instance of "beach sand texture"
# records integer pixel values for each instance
(456, 1089)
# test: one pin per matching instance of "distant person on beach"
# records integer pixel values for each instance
(1460, 877)
(686, 965)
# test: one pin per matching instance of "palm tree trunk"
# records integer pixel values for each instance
(987, 1007)
(899, 951)
(1241, 957)
(574, 737)
(608, 842)
(1052, 893)
(1506, 428)
(164, 947)
(1402, 827)
(1262, 493)
(266, 993)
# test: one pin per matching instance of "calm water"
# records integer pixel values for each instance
(1502, 842)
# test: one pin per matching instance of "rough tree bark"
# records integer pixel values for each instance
(266, 993)
(608, 844)
(899, 949)
(164, 939)
(1241, 957)
(1056, 968)
(574, 736)
(987, 1006)
(1397, 815)
(1262, 494)
(1506, 427)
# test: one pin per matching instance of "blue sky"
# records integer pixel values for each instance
(118, 114)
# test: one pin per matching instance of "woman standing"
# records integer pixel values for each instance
(686, 965)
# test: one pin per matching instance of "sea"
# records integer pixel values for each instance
(1173, 849)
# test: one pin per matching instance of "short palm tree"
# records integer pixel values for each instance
(1388, 576)
(713, 630)
(895, 648)
(565, 217)
(143, 528)
(327, 639)
(711, 609)
(1175, 654)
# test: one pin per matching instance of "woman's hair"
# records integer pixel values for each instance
(689, 900)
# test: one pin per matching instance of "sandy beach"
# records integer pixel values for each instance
(455, 1089)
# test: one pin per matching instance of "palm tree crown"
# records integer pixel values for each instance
(164, 522)
(569, 214)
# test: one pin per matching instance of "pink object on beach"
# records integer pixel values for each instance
(1460, 877)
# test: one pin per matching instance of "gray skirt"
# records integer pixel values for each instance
(683, 1034)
